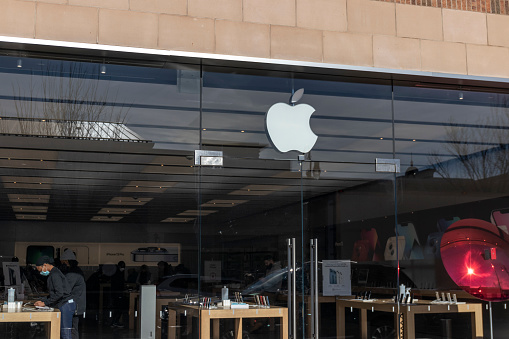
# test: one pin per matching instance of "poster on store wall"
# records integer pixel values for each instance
(336, 277)
(212, 271)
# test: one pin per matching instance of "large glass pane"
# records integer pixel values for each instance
(97, 159)
(452, 142)
(260, 196)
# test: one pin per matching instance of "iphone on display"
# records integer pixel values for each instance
(413, 249)
(394, 249)
(500, 218)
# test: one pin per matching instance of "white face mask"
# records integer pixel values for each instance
(121, 269)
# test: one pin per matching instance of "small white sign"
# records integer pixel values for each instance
(336, 277)
(212, 270)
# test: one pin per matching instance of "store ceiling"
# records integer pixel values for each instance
(95, 180)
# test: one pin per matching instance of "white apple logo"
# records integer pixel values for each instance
(288, 125)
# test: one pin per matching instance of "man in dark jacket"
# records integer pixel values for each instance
(59, 294)
(76, 280)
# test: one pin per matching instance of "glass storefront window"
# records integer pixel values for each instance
(452, 145)
(99, 159)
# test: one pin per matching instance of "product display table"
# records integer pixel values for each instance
(206, 315)
(53, 318)
(407, 312)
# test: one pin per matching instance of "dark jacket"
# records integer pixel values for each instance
(78, 290)
(58, 288)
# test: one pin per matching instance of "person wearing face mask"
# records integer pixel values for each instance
(76, 280)
(59, 294)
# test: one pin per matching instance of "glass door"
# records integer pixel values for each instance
(271, 180)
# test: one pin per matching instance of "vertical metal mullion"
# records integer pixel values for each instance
(315, 269)
(312, 273)
(289, 282)
(294, 288)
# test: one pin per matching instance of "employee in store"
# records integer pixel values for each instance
(59, 294)
(76, 280)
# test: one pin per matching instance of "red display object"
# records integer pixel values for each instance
(463, 249)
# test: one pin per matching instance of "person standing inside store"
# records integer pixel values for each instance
(272, 285)
(76, 280)
(59, 294)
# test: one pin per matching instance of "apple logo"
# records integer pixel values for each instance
(288, 125)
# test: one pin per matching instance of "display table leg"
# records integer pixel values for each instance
(132, 308)
(215, 328)
(283, 332)
(238, 328)
(172, 323)
(408, 325)
(55, 327)
(340, 321)
(476, 320)
(364, 323)
(204, 325)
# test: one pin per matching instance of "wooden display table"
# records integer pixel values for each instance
(53, 318)
(408, 313)
(206, 315)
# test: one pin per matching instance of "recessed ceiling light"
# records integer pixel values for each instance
(116, 210)
(148, 186)
(105, 218)
(177, 220)
(32, 198)
(30, 209)
(128, 201)
(223, 203)
(30, 217)
(196, 212)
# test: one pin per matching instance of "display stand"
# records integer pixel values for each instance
(206, 315)
(29, 316)
(407, 313)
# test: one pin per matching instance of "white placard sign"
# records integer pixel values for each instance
(336, 277)
(212, 270)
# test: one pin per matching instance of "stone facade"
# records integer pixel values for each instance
(417, 35)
